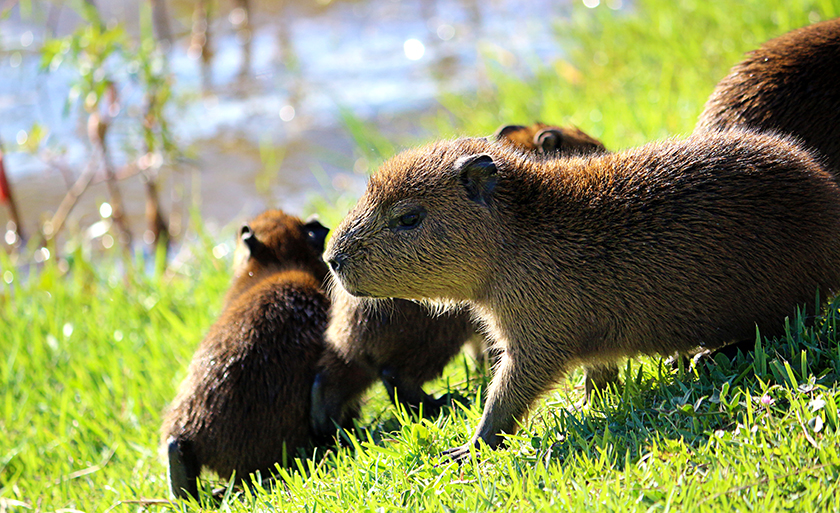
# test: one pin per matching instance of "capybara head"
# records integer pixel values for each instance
(425, 222)
(275, 241)
(550, 140)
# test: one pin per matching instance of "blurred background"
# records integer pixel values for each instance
(122, 117)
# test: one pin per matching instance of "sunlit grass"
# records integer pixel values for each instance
(89, 358)
(629, 76)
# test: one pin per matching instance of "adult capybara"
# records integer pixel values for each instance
(791, 84)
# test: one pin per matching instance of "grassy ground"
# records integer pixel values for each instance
(89, 359)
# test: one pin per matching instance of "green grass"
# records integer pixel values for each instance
(631, 76)
(90, 357)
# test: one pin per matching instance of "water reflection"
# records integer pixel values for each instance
(256, 78)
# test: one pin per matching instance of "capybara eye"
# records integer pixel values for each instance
(409, 220)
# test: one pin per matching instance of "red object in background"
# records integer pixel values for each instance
(7, 198)
(4, 184)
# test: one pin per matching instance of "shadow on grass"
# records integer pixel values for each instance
(691, 405)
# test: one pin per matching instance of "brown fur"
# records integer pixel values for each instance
(662, 248)
(791, 84)
(244, 404)
(550, 140)
(556, 142)
(400, 341)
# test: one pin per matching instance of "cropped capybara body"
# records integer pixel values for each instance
(791, 84)
(402, 342)
(244, 404)
(658, 249)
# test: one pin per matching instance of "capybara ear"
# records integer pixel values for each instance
(316, 234)
(247, 236)
(548, 140)
(505, 131)
(479, 176)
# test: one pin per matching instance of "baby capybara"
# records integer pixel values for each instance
(244, 405)
(550, 140)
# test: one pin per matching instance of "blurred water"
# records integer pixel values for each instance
(384, 60)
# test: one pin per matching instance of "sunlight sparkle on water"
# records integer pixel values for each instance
(41, 255)
(220, 251)
(446, 32)
(287, 113)
(414, 49)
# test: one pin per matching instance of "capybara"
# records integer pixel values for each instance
(245, 402)
(667, 247)
(550, 140)
(790, 84)
(402, 342)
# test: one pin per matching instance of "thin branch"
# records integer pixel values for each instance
(160, 21)
(69, 201)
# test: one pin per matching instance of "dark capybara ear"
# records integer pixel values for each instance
(479, 176)
(316, 234)
(548, 140)
(504, 131)
(247, 236)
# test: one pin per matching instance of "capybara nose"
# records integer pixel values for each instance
(336, 262)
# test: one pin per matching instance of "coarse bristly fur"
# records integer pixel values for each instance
(406, 344)
(662, 248)
(791, 85)
(244, 404)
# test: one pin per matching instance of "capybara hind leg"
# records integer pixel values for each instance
(412, 396)
(183, 469)
(599, 377)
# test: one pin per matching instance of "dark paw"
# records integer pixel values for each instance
(458, 454)
(411, 396)
(319, 417)
(183, 469)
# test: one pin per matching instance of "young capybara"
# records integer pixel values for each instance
(401, 342)
(791, 84)
(244, 404)
(663, 248)
(550, 140)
